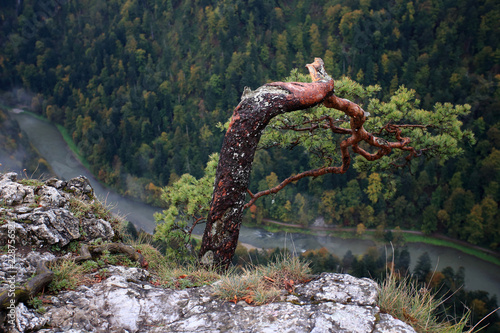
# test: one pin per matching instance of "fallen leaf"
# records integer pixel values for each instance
(248, 299)
(289, 286)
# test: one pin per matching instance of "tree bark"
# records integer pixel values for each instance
(250, 118)
(232, 178)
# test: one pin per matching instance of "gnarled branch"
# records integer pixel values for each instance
(249, 119)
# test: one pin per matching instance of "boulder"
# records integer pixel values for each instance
(40, 215)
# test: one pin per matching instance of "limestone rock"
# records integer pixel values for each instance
(27, 320)
(97, 228)
(80, 186)
(55, 226)
(50, 197)
(388, 324)
(40, 215)
(126, 302)
(11, 192)
(24, 268)
(341, 288)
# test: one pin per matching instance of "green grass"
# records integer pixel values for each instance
(441, 242)
(30, 182)
(71, 144)
(67, 275)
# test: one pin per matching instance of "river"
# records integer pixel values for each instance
(49, 142)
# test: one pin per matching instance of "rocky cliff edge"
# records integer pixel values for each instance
(39, 216)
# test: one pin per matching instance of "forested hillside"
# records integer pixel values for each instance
(141, 85)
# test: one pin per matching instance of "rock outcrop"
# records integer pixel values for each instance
(128, 301)
(40, 214)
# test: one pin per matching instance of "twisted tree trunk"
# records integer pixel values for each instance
(249, 119)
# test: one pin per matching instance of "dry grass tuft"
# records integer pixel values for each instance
(263, 284)
(96, 208)
(416, 306)
(186, 276)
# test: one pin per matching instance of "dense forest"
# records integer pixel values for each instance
(142, 85)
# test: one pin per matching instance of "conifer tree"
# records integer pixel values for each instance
(395, 134)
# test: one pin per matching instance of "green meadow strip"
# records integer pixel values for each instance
(71, 144)
(410, 238)
(66, 136)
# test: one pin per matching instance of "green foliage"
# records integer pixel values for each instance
(322, 145)
(89, 266)
(321, 260)
(37, 304)
(188, 200)
(67, 275)
(440, 137)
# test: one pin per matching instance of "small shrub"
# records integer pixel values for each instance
(55, 248)
(153, 257)
(73, 246)
(89, 266)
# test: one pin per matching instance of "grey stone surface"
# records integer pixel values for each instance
(127, 301)
(388, 324)
(24, 268)
(27, 320)
(341, 288)
(40, 214)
